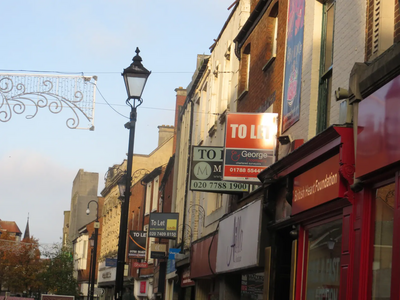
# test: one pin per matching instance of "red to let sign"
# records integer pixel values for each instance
(140, 264)
(317, 185)
(249, 145)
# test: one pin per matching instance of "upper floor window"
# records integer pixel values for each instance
(148, 198)
(245, 70)
(326, 63)
(155, 194)
(380, 27)
(274, 33)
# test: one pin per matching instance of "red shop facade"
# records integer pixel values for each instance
(375, 96)
(309, 201)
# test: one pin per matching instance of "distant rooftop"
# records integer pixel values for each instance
(10, 226)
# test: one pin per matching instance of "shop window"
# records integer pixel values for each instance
(323, 267)
(326, 63)
(383, 241)
(283, 208)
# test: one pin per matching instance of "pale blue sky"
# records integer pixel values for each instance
(39, 158)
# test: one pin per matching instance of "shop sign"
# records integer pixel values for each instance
(250, 143)
(158, 251)
(238, 239)
(317, 186)
(293, 64)
(378, 134)
(111, 262)
(252, 286)
(140, 265)
(137, 244)
(163, 225)
(206, 172)
(186, 281)
(106, 274)
(171, 259)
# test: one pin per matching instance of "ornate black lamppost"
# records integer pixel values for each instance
(135, 77)
(92, 276)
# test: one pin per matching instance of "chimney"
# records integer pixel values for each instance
(164, 133)
(180, 101)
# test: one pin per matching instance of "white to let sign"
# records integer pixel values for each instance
(206, 172)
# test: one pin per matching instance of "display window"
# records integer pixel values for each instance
(383, 214)
(323, 260)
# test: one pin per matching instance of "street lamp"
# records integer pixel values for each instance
(93, 243)
(135, 77)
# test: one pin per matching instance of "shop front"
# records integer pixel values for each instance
(376, 101)
(240, 253)
(203, 257)
(106, 279)
(309, 198)
(143, 288)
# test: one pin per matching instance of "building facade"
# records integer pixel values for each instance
(142, 164)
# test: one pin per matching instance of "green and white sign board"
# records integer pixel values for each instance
(206, 172)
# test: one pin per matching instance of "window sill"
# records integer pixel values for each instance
(269, 63)
(242, 95)
(146, 214)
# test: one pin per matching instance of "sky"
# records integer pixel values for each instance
(40, 157)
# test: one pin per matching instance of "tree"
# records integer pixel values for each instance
(58, 276)
(19, 264)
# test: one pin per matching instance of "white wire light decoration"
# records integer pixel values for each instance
(27, 93)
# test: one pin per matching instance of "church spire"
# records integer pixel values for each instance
(27, 233)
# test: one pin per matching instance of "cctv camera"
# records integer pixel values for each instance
(357, 186)
(341, 94)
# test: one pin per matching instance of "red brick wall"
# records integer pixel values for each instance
(136, 201)
(168, 192)
(265, 87)
(253, 4)
(396, 22)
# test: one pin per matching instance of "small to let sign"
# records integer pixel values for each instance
(206, 172)
(163, 225)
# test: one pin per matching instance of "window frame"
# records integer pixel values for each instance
(303, 253)
(147, 199)
(367, 255)
(325, 74)
(154, 200)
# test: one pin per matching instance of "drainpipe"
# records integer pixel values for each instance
(187, 174)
